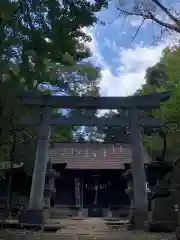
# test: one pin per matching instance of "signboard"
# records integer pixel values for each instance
(78, 192)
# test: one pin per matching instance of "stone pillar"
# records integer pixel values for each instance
(34, 214)
(37, 188)
(139, 181)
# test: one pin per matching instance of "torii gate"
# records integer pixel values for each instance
(45, 120)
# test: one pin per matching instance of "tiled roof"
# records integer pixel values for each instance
(93, 155)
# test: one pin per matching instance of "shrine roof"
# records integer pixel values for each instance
(89, 156)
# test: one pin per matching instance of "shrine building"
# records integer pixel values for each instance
(91, 181)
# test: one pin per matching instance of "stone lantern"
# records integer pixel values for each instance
(162, 216)
(156, 171)
(49, 189)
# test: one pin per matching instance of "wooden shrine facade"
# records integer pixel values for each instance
(92, 181)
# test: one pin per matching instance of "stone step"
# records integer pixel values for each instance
(63, 212)
(113, 221)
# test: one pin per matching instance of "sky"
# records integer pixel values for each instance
(123, 63)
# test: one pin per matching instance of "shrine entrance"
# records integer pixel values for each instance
(133, 120)
(95, 195)
(96, 190)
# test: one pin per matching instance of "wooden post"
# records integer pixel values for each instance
(37, 188)
(82, 196)
(140, 212)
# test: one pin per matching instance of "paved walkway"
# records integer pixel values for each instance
(84, 229)
(97, 228)
(85, 226)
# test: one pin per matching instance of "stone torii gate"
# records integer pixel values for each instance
(34, 214)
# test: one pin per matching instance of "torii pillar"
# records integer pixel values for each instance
(140, 211)
(34, 215)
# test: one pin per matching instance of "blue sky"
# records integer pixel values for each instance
(124, 64)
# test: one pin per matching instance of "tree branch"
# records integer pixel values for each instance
(137, 31)
(27, 17)
(164, 24)
(150, 16)
(164, 9)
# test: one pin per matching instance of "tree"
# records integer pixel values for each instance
(162, 13)
(84, 81)
(115, 134)
(164, 76)
(42, 48)
(37, 33)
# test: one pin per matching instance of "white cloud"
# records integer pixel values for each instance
(133, 63)
(132, 70)
(97, 58)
